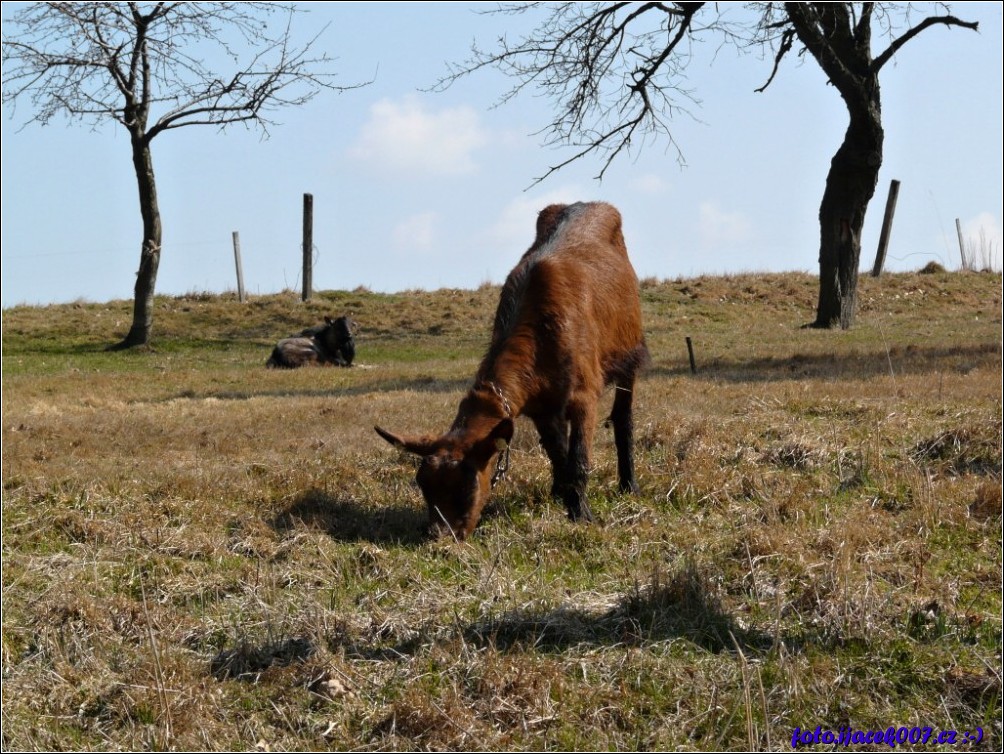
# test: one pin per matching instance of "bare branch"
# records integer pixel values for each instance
(784, 47)
(816, 25)
(863, 26)
(927, 23)
(613, 70)
(141, 64)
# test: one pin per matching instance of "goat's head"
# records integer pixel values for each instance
(455, 474)
(335, 332)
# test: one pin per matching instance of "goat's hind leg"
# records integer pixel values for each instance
(623, 421)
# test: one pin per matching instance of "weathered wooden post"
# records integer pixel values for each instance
(240, 269)
(308, 247)
(690, 352)
(890, 210)
(966, 263)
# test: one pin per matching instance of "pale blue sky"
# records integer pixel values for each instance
(414, 189)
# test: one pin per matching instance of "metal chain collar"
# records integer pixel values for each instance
(501, 396)
(501, 466)
(502, 463)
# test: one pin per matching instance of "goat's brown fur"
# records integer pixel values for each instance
(568, 324)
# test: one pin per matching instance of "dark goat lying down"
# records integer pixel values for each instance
(568, 324)
(330, 343)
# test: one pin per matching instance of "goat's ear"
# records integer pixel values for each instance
(497, 440)
(327, 320)
(418, 445)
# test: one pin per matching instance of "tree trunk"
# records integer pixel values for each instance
(149, 260)
(850, 185)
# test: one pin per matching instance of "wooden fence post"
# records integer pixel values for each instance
(308, 247)
(962, 245)
(240, 269)
(890, 210)
(690, 352)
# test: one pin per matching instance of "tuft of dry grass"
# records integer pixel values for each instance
(199, 553)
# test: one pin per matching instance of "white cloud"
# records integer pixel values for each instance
(417, 232)
(983, 238)
(405, 135)
(516, 226)
(718, 228)
(650, 183)
(984, 229)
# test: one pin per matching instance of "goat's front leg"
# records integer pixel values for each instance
(582, 421)
(553, 431)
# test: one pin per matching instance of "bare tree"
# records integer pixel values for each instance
(144, 66)
(615, 72)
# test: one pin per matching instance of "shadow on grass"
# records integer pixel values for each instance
(350, 521)
(416, 385)
(837, 366)
(107, 345)
(677, 605)
(912, 360)
(246, 662)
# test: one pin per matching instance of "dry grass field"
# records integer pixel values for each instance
(199, 553)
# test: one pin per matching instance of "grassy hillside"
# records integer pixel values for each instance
(199, 553)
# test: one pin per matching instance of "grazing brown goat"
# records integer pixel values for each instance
(568, 324)
(330, 343)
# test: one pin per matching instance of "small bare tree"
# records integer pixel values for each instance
(143, 65)
(615, 72)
